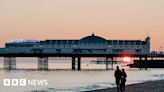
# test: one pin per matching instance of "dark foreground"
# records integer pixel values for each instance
(150, 86)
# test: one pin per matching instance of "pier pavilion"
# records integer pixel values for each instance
(89, 46)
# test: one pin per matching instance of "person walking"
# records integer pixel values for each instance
(118, 75)
(123, 80)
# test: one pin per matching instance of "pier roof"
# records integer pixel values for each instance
(93, 39)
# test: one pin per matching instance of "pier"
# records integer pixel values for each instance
(89, 46)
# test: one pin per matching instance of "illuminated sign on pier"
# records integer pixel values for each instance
(23, 41)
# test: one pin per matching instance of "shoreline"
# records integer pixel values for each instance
(148, 86)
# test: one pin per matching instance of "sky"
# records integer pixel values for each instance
(74, 19)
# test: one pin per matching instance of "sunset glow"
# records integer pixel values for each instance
(126, 59)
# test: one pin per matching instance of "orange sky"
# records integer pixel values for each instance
(74, 19)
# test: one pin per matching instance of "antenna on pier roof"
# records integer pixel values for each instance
(93, 34)
(148, 37)
(148, 33)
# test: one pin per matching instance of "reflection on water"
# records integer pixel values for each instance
(71, 81)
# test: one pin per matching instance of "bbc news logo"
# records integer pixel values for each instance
(24, 82)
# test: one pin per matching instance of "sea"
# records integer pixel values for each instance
(61, 78)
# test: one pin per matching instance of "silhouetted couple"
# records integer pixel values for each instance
(120, 79)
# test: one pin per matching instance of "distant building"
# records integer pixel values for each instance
(87, 45)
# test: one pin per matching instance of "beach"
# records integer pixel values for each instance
(149, 86)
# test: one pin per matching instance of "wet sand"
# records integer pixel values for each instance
(150, 86)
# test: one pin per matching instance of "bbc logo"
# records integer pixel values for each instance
(14, 82)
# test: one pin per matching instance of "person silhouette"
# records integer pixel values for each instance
(123, 80)
(118, 75)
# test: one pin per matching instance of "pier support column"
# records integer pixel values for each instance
(79, 63)
(146, 58)
(43, 63)
(9, 63)
(73, 63)
(152, 58)
(107, 63)
(140, 60)
(112, 62)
